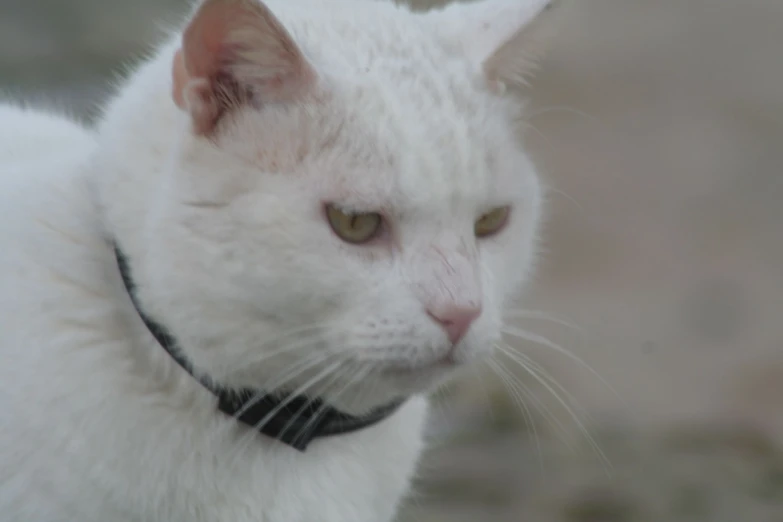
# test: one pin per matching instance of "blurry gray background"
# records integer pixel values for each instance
(658, 125)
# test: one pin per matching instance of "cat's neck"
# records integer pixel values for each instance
(137, 136)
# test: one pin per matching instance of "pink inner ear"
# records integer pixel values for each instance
(195, 95)
(231, 50)
(209, 32)
(180, 79)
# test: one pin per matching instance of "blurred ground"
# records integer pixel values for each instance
(659, 126)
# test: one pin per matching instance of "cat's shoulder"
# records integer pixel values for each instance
(39, 151)
(44, 187)
(29, 134)
(49, 231)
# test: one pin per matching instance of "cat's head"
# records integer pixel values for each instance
(348, 210)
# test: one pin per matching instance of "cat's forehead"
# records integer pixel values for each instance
(408, 122)
(367, 37)
(391, 153)
(422, 144)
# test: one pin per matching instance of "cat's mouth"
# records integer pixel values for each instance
(445, 363)
(419, 379)
(420, 374)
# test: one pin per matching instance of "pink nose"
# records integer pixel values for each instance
(455, 320)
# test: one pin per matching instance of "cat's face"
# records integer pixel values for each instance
(359, 239)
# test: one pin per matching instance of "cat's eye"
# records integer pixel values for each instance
(354, 228)
(492, 222)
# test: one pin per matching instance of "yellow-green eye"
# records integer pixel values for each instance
(353, 228)
(491, 222)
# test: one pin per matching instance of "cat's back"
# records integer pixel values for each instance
(48, 216)
(43, 160)
(48, 212)
(47, 233)
(29, 138)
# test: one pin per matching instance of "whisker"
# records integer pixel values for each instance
(516, 396)
(315, 329)
(565, 108)
(285, 402)
(373, 382)
(526, 124)
(303, 343)
(485, 391)
(543, 341)
(357, 377)
(534, 314)
(532, 365)
(336, 376)
(443, 403)
(296, 369)
(591, 440)
(298, 392)
(566, 195)
(515, 382)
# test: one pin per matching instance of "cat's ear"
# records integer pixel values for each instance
(234, 52)
(503, 37)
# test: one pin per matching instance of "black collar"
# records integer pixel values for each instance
(296, 423)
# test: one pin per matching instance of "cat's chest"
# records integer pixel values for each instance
(161, 475)
(360, 478)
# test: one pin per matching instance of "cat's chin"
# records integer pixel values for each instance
(433, 370)
(420, 378)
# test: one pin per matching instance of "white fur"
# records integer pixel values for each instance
(228, 244)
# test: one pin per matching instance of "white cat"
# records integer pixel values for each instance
(326, 202)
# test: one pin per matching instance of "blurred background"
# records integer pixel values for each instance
(650, 387)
